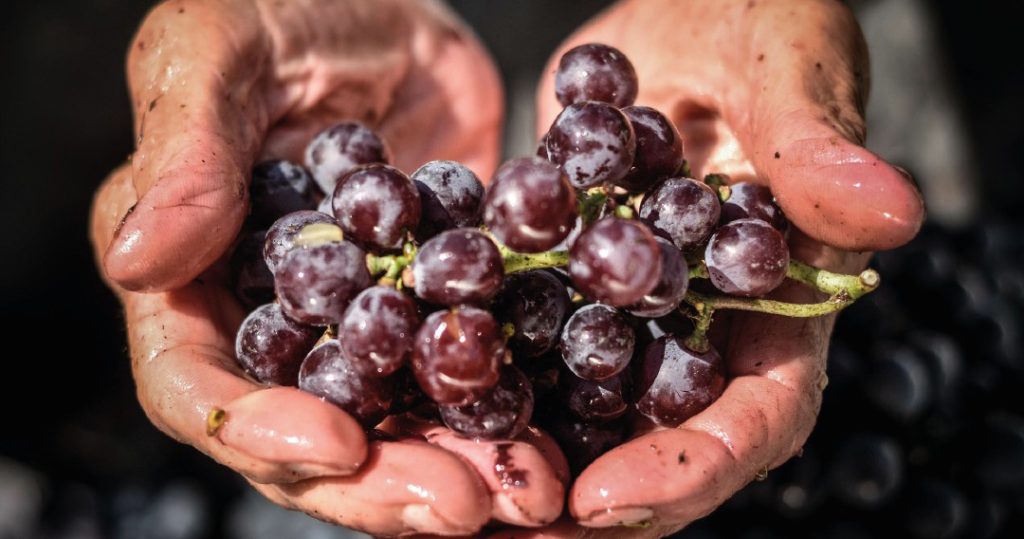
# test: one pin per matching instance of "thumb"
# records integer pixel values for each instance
(199, 120)
(807, 132)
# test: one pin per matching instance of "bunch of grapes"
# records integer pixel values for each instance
(564, 286)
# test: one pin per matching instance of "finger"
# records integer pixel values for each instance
(566, 528)
(762, 419)
(199, 120)
(403, 487)
(805, 127)
(184, 367)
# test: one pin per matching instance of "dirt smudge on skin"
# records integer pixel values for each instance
(506, 472)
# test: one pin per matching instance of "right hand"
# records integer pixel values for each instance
(216, 86)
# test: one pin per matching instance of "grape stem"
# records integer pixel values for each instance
(516, 262)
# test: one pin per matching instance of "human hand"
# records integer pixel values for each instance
(762, 91)
(215, 87)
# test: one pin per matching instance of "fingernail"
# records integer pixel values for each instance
(423, 519)
(626, 516)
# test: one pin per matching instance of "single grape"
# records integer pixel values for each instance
(593, 142)
(458, 266)
(597, 402)
(615, 261)
(595, 72)
(597, 342)
(747, 258)
(330, 374)
(536, 304)
(457, 354)
(316, 284)
(868, 470)
(340, 148)
(450, 195)
(750, 200)
(659, 148)
(530, 206)
(502, 413)
(377, 329)
(671, 287)
(270, 346)
(281, 236)
(376, 205)
(254, 284)
(583, 442)
(278, 188)
(675, 383)
(683, 210)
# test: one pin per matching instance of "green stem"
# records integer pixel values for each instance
(516, 262)
(833, 284)
(833, 304)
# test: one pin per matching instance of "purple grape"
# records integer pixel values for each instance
(501, 414)
(530, 206)
(659, 148)
(582, 442)
(316, 284)
(592, 142)
(376, 205)
(330, 374)
(270, 346)
(338, 149)
(750, 200)
(597, 402)
(683, 210)
(254, 284)
(536, 304)
(377, 329)
(597, 342)
(671, 287)
(615, 261)
(450, 195)
(595, 72)
(675, 383)
(457, 354)
(281, 236)
(278, 188)
(458, 266)
(747, 257)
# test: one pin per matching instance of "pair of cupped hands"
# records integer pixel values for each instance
(769, 91)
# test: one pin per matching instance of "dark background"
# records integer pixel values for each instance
(79, 459)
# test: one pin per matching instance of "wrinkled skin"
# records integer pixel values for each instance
(218, 85)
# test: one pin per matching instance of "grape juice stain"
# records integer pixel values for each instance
(505, 471)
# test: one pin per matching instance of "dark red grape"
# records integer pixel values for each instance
(270, 346)
(671, 287)
(376, 205)
(747, 258)
(583, 442)
(597, 401)
(330, 374)
(615, 261)
(502, 413)
(595, 72)
(340, 148)
(674, 383)
(750, 200)
(281, 236)
(683, 210)
(458, 266)
(450, 195)
(377, 329)
(536, 304)
(659, 148)
(316, 284)
(278, 188)
(254, 284)
(530, 206)
(592, 142)
(597, 342)
(457, 354)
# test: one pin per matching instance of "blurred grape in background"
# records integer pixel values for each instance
(921, 433)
